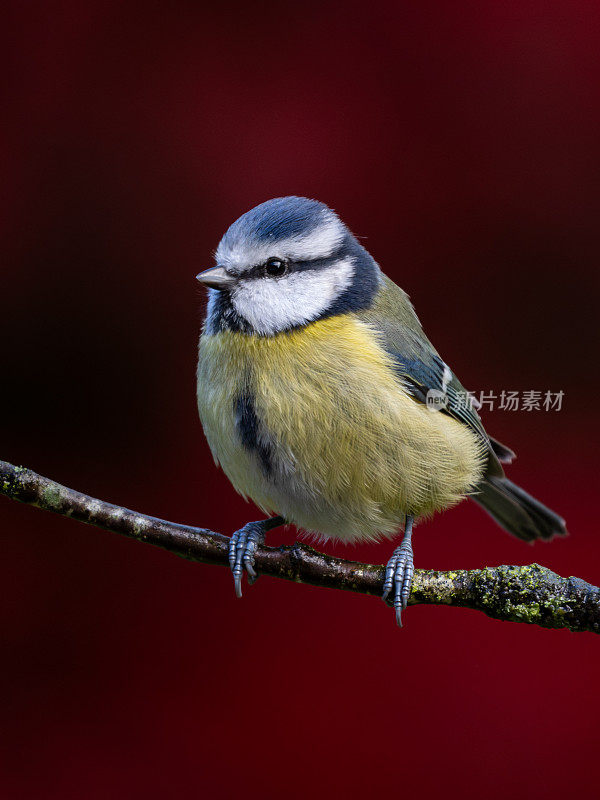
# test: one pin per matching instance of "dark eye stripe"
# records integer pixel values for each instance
(258, 271)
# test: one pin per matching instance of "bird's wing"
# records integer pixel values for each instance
(424, 373)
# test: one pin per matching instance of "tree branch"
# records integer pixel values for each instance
(531, 594)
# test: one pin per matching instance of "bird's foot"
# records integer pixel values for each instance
(399, 574)
(242, 547)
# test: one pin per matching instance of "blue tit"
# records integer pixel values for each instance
(314, 382)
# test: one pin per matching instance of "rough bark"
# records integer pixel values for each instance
(531, 594)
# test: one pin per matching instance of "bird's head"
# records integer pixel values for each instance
(284, 264)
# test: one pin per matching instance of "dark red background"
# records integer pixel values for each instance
(462, 140)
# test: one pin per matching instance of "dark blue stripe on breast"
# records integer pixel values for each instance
(249, 429)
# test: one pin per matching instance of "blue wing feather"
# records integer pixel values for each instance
(420, 365)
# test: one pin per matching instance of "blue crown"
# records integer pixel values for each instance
(277, 219)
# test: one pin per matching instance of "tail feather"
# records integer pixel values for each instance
(518, 512)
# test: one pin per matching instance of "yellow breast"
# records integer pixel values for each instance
(351, 451)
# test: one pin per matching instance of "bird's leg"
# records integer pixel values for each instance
(399, 572)
(242, 547)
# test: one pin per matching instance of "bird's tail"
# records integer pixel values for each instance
(518, 512)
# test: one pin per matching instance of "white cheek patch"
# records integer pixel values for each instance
(272, 305)
(320, 242)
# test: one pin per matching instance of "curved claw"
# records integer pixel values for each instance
(242, 547)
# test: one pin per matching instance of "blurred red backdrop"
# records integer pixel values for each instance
(461, 140)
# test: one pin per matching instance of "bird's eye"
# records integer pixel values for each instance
(275, 267)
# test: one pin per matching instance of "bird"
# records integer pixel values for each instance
(325, 403)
